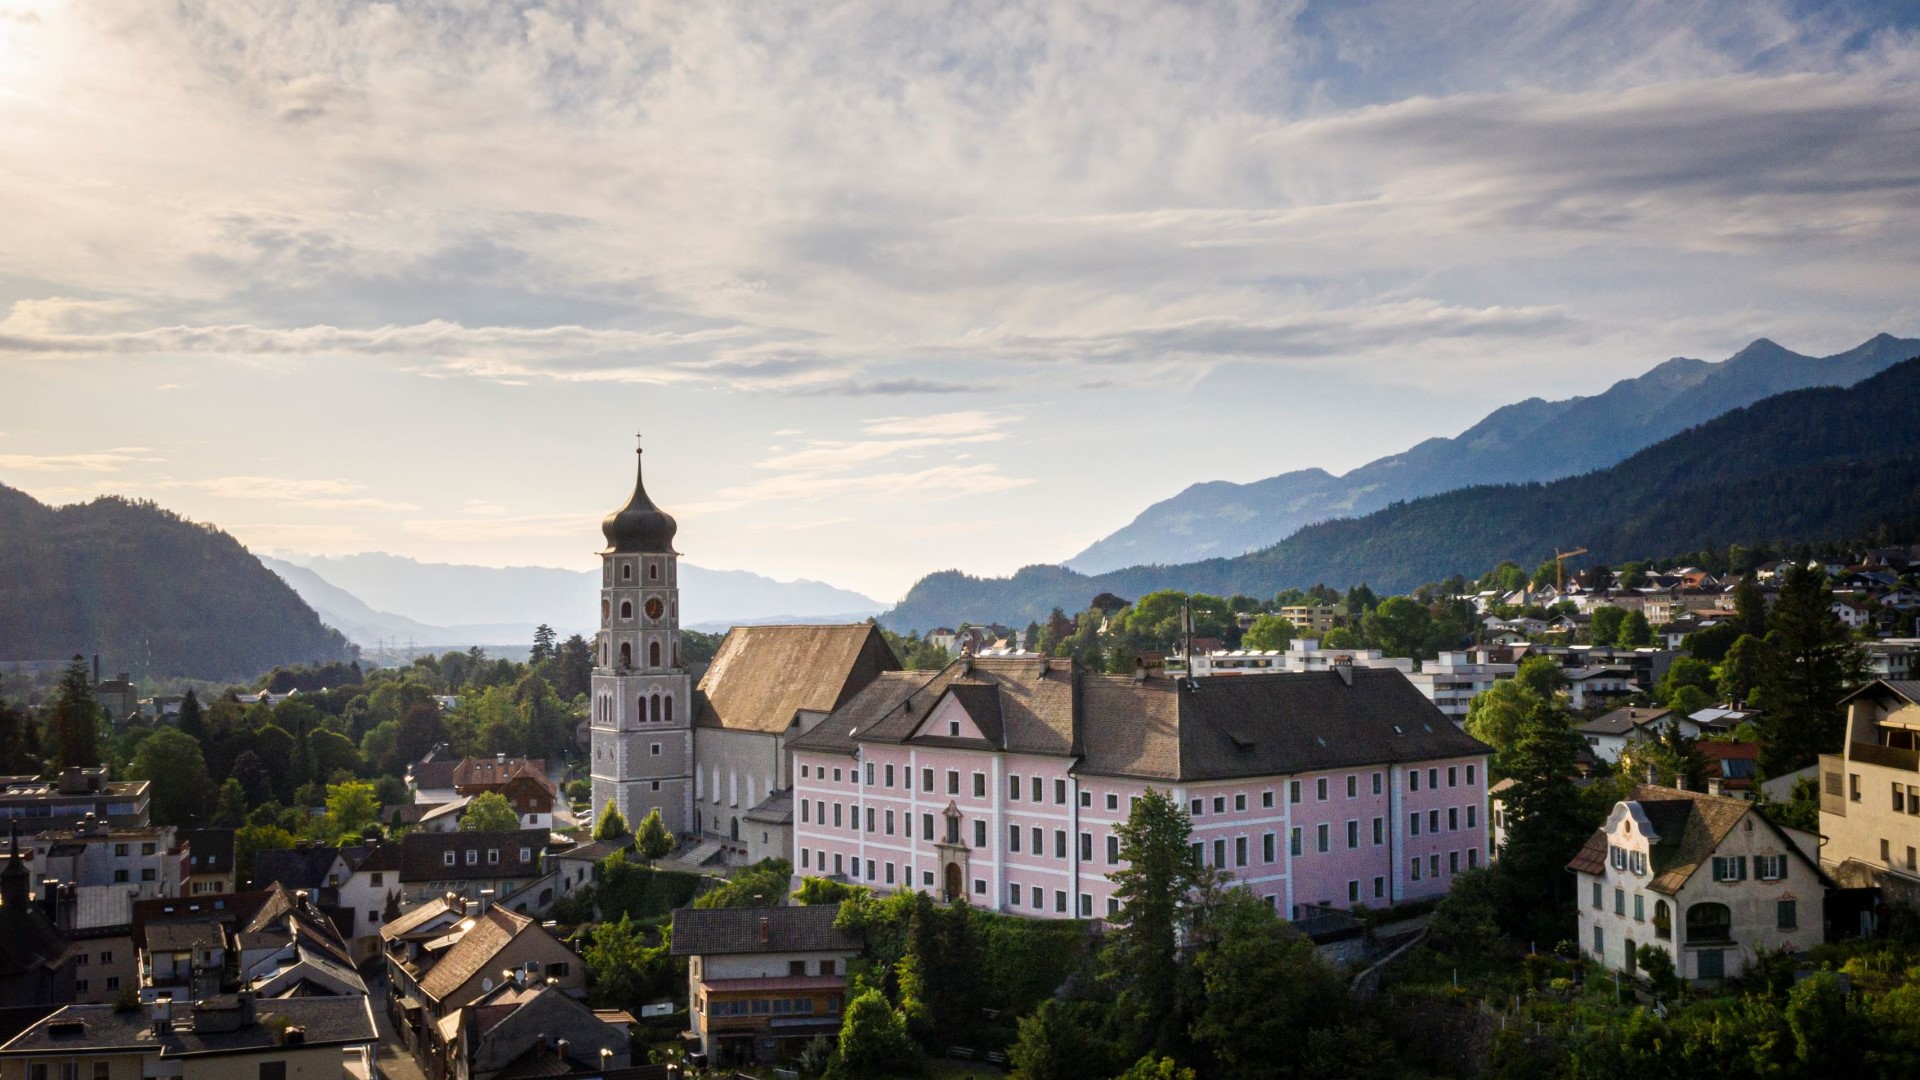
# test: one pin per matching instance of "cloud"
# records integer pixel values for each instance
(935, 484)
(470, 530)
(102, 461)
(323, 494)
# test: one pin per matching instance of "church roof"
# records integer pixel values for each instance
(639, 526)
(763, 677)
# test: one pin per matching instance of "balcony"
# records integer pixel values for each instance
(1886, 757)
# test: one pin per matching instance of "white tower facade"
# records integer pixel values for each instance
(642, 698)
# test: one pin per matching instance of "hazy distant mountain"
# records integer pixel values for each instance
(1529, 440)
(1807, 465)
(396, 597)
(153, 593)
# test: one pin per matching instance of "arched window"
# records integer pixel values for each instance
(626, 654)
(653, 571)
(626, 610)
(653, 654)
(654, 714)
(626, 571)
(1709, 922)
(1662, 921)
(669, 708)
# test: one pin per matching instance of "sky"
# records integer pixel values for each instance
(891, 288)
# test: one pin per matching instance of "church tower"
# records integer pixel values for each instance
(642, 699)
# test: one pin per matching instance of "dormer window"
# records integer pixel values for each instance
(953, 728)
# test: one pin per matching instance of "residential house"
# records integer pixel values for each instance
(97, 921)
(185, 959)
(1608, 734)
(1452, 680)
(507, 865)
(1313, 618)
(1588, 686)
(522, 782)
(525, 1027)
(365, 893)
(430, 980)
(38, 964)
(210, 867)
(1733, 768)
(305, 865)
(1870, 793)
(1003, 780)
(225, 1037)
(1707, 879)
(761, 982)
(1890, 658)
(1852, 613)
(143, 859)
(291, 947)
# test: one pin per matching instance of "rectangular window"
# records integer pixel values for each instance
(953, 781)
(1472, 818)
(1086, 799)
(1326, 840)
(870, 874)
(1086, 847)
(1433, 865)
(1899, 799)
(1039, 898)
(1266, 800)
(837, 812)
(1473, 858)
(1453, 776)
(1379, 831)
(1198, 808)
(979, 785)
(1453, 819)
(1038, 790)
(1376, 789)
(889, 823)
(1853, 787)
(1013, 788)
(871, 767)
(1453, 862)
(1013, 838)
(1266, 847)
(493, 856)
(1353, 892)
(1239, 851)
(980, 834)
(1729, 868)
(1113, 849)
(837, 864)
(926, 780)
(1413, 779)
(1039, 844)
(1059, 792)
(803, 858)
(1596, 896)
(1059, 843)
(926, 827)
(1413, 824)
(1379, 887)
(1469, 776)
(1639, 907)
(1219, 804)
(1086, 906)
(1013, 894)
(1320, 789)
(1113, 800)
(1353, 834)
(1060, 901)
(1239, 803)
(1433, 821)
(1219, 853)
(1415, 868)
(805, 818)
(473, 856)
(889, 776)
(1433, 779)
(1353, 792)
(1293, 791)
(1786, 914)
(1599, 942)
(1293, 841)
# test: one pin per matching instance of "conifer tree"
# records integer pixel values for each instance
(612, 825)
(1812, 664)
(74, 721)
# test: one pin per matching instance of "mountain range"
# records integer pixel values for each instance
(1531, 440)
(151, 592)
(1813, 464)
(374, 595)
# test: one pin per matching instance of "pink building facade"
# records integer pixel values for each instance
(1003, 780)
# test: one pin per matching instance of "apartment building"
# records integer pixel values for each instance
(1003, 780)
(1870, 792)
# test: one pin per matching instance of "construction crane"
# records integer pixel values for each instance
(1560, 567)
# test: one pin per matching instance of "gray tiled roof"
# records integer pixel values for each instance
(325, 1021)
(714, 931)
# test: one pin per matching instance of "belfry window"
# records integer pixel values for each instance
(654, 712)
(626, 654)
(626, 610)
(669, 708)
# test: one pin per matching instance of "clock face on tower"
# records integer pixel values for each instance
(654, 608)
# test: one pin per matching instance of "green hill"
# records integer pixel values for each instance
(1807, 465)
(150, 591)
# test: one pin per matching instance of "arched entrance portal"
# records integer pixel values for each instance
(954, 890)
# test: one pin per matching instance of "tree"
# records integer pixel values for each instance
(1546, 824)
(623, 971)
(1635, 631)
(230, 806)
(1497, 715)
(1398, 627)
(1814, 664)
(1157, 1067)
(1465, 926)
(764, 884)
(1743, 669)
(543, 645)
(489, 812)
(653, 839)
(1155, 886)
(1750, 607)
(1604, 627)
(874, 1041)
(351, 807)
(1542, 675)
(1271, 632)
(329, 752)
(1685, 671)
(1263, 988)
(74, 721)
(255, 778)
(249, 841)
(192, 719)
(173, 763)
(612, 826)
(1062, 1040)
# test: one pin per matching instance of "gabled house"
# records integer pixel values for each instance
(223, 1037)
(1707, 879)
(1608, 734)
(508, 864)
(525, 1027)
(291, 947)
(1870, 792)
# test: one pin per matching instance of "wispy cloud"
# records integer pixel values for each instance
(317, 493)
(100, 461)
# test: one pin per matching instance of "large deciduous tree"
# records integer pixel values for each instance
(489, 812)
(178, 772)
(1263, 988)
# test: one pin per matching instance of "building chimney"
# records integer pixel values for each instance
(1715, 786)
(1343, 666)
(1139, 669)
(765, 930)
(486, 901)
(500, 759)
(96, 669)
(560, 1049)
(248, 1013)
(1679, 781)
(160, 1013)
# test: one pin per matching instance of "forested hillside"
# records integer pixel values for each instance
(1806, 465)
(1531, 440)
(150, 591)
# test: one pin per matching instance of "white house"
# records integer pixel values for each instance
(1709, 880)
(759, 974)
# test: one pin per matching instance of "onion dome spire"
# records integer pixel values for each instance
(640, 526)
